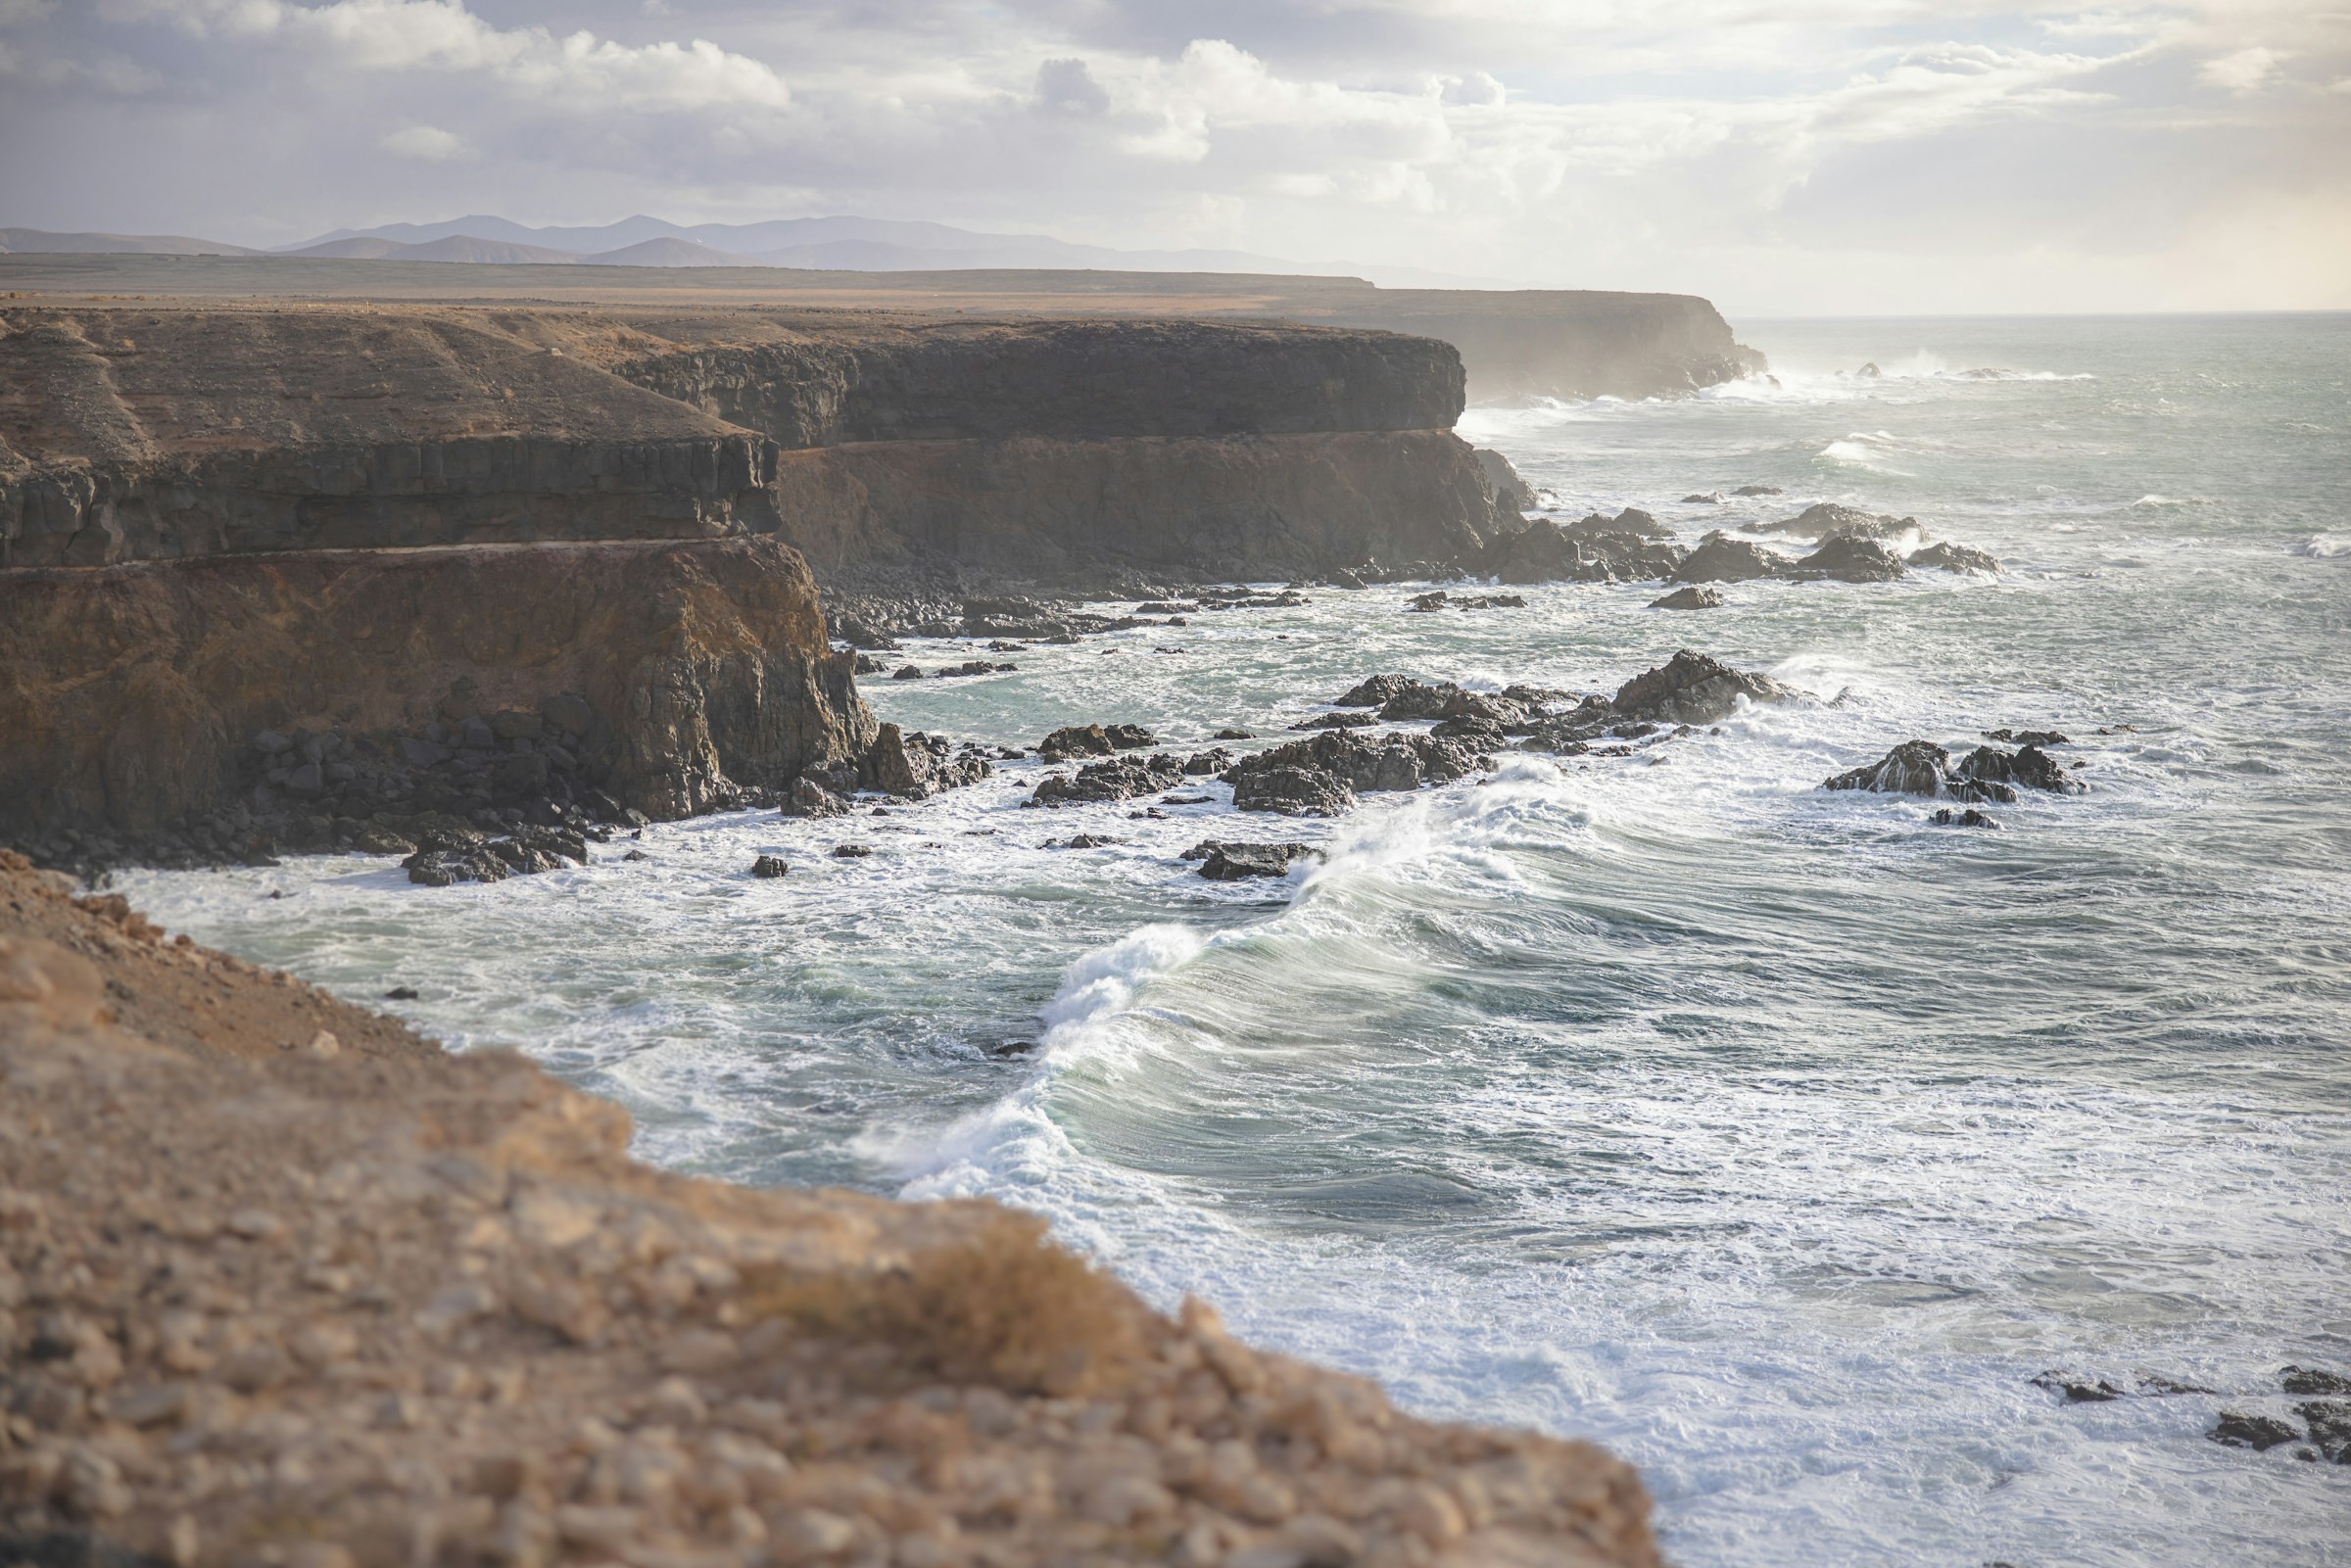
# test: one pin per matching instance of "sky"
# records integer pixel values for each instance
(1776, 156)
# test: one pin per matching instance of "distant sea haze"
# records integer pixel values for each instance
(829, 244)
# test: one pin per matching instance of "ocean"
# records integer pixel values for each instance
(1777, 1139)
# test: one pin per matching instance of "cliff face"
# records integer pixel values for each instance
(1556, 343)
(1046, 448)
(155, 435)
(282, 1283)
(663, 675)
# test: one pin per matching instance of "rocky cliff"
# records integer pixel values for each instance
(1042, 449)
(303, 696)
(282, 1283)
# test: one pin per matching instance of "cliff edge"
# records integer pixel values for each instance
(282, 1283)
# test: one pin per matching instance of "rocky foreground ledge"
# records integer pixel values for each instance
(282, 1283)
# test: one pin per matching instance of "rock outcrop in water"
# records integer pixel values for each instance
(285, 1284)
(1985, 774)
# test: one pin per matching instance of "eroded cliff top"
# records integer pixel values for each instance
(321, 1296)
(132, 384)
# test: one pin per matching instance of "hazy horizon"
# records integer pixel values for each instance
(1829, 158)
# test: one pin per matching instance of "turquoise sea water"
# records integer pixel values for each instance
(1774, 1138)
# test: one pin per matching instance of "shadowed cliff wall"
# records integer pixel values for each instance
(130, 695)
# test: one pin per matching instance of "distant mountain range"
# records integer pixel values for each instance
(843, 244)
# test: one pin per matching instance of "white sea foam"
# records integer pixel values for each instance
(2325, 547)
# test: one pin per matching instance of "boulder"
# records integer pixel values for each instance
(1756, 490)
(809, 799)
(1292, 791)
(1970, 817)
(768, 866)
(1920, 768)
(1956, 558)
(914, 767)
(1370, 692)
(1692, 597)
(1336, 720)
(1228, 861)
(1826, 519)
(1120, 779)
(1695, 689)
(1851, 558)
(2260, 1433)
(1093, 740)
(1719, 558)
(2029, 767)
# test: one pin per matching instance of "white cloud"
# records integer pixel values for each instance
(428, 144)
(2247, 70)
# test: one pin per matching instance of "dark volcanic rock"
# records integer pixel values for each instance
(1076, 740)
(1292, 791)
(2329, 1422)
(1596, 549)
(1721, 559)
(2310, 1380)
(2029, 767)
(1368, 693)
(851, 851)
(1228, 861)
(2260, 1433)
(769, 867)
(809, 799)
(1120, 779)
(1920, 768)
(1970, 817)
(914, 767)
(2078, 1390)
(1336, 720)
(1826, 518)
(1695, 689)
(1956, 558)
(1511, 494)
(1689, 599)
(1851, 558)
(1756, 490)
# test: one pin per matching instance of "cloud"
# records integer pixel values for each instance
(1067, 87)
(2248, 70)
(1765, 142)
(426, 143)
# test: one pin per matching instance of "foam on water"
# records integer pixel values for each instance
(1772, 1136)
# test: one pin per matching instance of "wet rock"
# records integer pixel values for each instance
(1920, 768)
(2029, 738)
(1950, 557)
(2029, 767)
(1293, 791)
(2311, 1380)
(1362, 764)
(2078, 1390)
(1231, 734)
(1851, 558)
(1722, 559)
(1689, 599)
(1093, 740)
(1511, 494)
(1336, 720)
(1631, 546)
(859, 633)
(1211, 761)
(1756, 490)
(809, 799)
(1228, 861)
(1083, 841)
(1166, 607)
(636, 854)
(1714, 498)
(917, 765)
(2330, 1423)
(851, 851)
(1695, 689)
(2260, 1433)
(1372, 693)
(1427, 602)
(973, 667)
(867, 664)
(1826, 518)
(374, 840)
(768, 866)
(1970, 817)
(906, 672)
(1120, 779)
(1412, 700)
(401, 993)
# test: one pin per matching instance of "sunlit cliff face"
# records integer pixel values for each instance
(1826, 156)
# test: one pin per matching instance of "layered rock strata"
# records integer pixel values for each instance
(280, 1283)
(299, 698)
